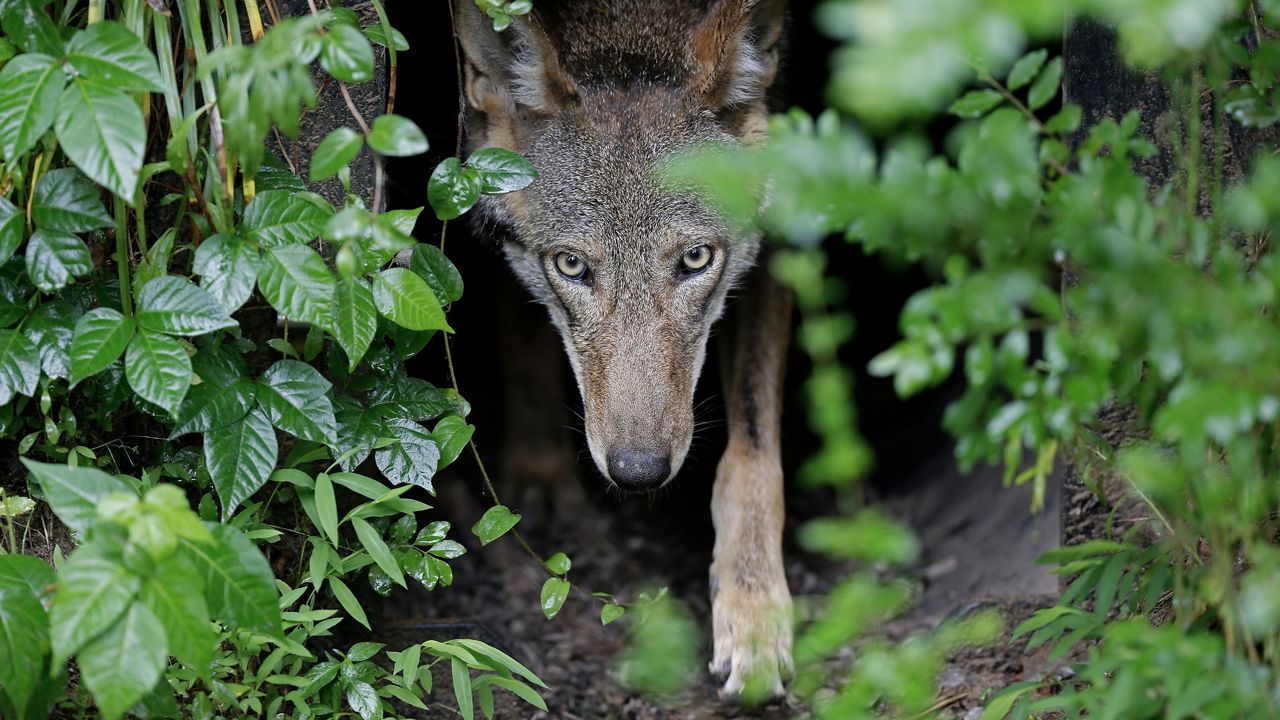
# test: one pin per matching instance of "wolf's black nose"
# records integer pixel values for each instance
(639, 469)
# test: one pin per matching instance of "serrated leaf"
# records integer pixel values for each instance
(19, 366)
(412, 458)
(451, 435)
(975, 103)
(30, 86)
(430, 263)
(355, 319)
(67, 201)
(101, 336)
(396, 136)
(175, 593)
(335, 152)
(1046, 85)
(101, 129)
(405, 299)
(54, 258)
(228, 269)
(24, 630)
(1026, 68)
(74, 492)
(93, 592)
(107, 52)
(176, 306)
(212, 405)
(239, 586)
(295, 398)
(554, 592)
(377, 548)
(158, 369)
(452, 190)
(240, 457)
(345, 53)
(501, 171)
(495, 522)
(122, 665)
(280, 217)
(296, 282)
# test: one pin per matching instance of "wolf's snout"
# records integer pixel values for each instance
(639, 469)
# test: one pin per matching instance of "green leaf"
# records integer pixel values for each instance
(610, 612)
(396, 136)
(18, 570)
(412, 458)
(335, 152)
(447, 549)
(452, 190)
(228, 269)
(295, 398)
(375, 33)
(498, 658)
(68, 202)
(27, 24)
(451, 435)
(360, 695)
(358, 431)
(280, 217)
(213, 404)
(240, 458)
(93, 592)
(158, 369)
(430, 263)
(1026, 68)
(296, 282)
(1046, 85)
(1067, 120)
(495, 522)
(348, 601)
(50, 328)
(559, 563)
(327, 508)
(19, 366)
(12, 229)
(524, 692)
(355, 319)
(102, 131)
(554, 592)
(74, 492)
(975, 103)
(406, 299)
(125, 663)
(345, 53)
(176, 306)
(378, 550)
(238, 583)
(24, 631)
(54, 258)
(30, 86)
(501, 171)
(432, 533)
(175, 593)
(462, 688)
(107, 52)
(101, 336)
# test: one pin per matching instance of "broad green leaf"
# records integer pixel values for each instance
(93, 592)
(176, 306)
(377, 548)
(12, 229)
(355, 319)
(67, 201)
(101, 336)
(27, 24)
(495, 522)
(296, 282)
(54, 258)
(327, 508)
(17, 570)
(611, 612)
(452, 189)
(1046, 85)
(396, 136)
(240, 457)
(501, 171)
(462, 688)
(212, 405)
(348, 601)
(432, 533)
(412, 458)
(335, 152)
(158, 369)
(30, 86)
(406, 299)
(360, 695)
(975, 103)
(107, 52)
(1026, 68)
(15, 506)
(451, 434)
(295, 397)
(24, 630)
(238, 583)
(447, 549)
(175, 593)
(102, 130)
(358, 431)
(559, 563)
(554, 592)
(19, 366)
(74, 492)
(430, 263)
(345, 53)
(280, 217)
(50, 328)
(123, 664)
(228, 269)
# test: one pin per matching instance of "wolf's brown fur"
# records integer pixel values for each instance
(598, 94)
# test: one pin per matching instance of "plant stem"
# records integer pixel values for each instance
(122, 255)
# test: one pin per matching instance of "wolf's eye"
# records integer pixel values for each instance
(571, 266)
(696, 259)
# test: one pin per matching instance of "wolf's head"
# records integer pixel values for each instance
(598, 95)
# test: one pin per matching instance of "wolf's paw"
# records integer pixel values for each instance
(752, 629)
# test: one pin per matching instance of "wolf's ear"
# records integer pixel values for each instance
(512, 70)
(735, 51)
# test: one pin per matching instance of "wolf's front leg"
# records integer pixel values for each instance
(750, 602)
